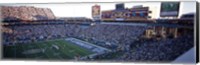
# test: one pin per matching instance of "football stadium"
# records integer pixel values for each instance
(123, 34)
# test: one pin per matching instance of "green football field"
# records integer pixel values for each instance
(54, 49)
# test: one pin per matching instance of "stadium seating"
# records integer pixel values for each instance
(124, 39)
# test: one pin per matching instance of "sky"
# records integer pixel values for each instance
(84, 9)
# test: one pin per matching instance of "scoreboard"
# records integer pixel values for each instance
(169, 9)
(96, 12)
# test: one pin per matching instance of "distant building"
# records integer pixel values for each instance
(126, 14)
(154, 12)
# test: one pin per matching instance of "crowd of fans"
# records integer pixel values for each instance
(164, 50)
(76, 19)
(109, 36)
(152, 50)
(120, 38)
(125, 41)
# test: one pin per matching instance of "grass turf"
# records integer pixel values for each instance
(66, 50)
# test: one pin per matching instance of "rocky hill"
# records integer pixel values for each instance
(26, 13)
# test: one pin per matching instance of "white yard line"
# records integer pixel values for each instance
(87, 43)
(90, 47)
(41, 48)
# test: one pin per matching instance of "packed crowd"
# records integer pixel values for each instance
(143, 50)
(76, 19)
(111, 36)
(121, 39)
(108, 36)
(165, 50)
